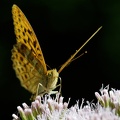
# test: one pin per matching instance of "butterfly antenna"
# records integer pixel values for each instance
(78, 56)
(72, 56)
(48, 66)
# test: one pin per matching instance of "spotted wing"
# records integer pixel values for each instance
(26, 71)
(25, 34)
(27, 57)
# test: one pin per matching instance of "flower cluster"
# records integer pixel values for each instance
(109, 99)
(48, 108)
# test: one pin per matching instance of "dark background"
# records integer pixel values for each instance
(62, 26)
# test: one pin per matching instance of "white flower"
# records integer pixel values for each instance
(48, 108)
(109, 98)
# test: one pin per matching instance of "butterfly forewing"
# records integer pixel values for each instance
(27, 57)
(25, 34)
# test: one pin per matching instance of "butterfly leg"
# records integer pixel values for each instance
(46, 90)
(37, 93)
(59, 85)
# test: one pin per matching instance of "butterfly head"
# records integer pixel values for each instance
(52, 76)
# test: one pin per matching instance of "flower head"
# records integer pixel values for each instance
(48, 108)
(109, 99)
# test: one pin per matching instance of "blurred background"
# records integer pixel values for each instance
(61, 28)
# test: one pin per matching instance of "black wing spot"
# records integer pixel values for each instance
(19, 15)
(22, 69)
(21, 58)
(19, 36)
(20, 62)
(30, 32)
(23, 33)
(18, 30)
(25, 40)
(39, 55)
(16, 23)
(28, 40)
(19, 19)
(38, 48)
(25, 76)
(25, 65)
(21, 26)
(16, 55)
(25, 29)
(18, 69)
(34, 44)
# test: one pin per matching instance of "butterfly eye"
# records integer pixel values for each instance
(50, 74)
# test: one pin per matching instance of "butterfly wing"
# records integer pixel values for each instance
(27, 57)
(25, 34)
(25, 70)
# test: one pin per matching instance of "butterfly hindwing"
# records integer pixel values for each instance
(27, 74)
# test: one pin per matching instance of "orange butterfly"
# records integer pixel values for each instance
(28, 60)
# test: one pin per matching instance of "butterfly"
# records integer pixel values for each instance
(28, 60)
